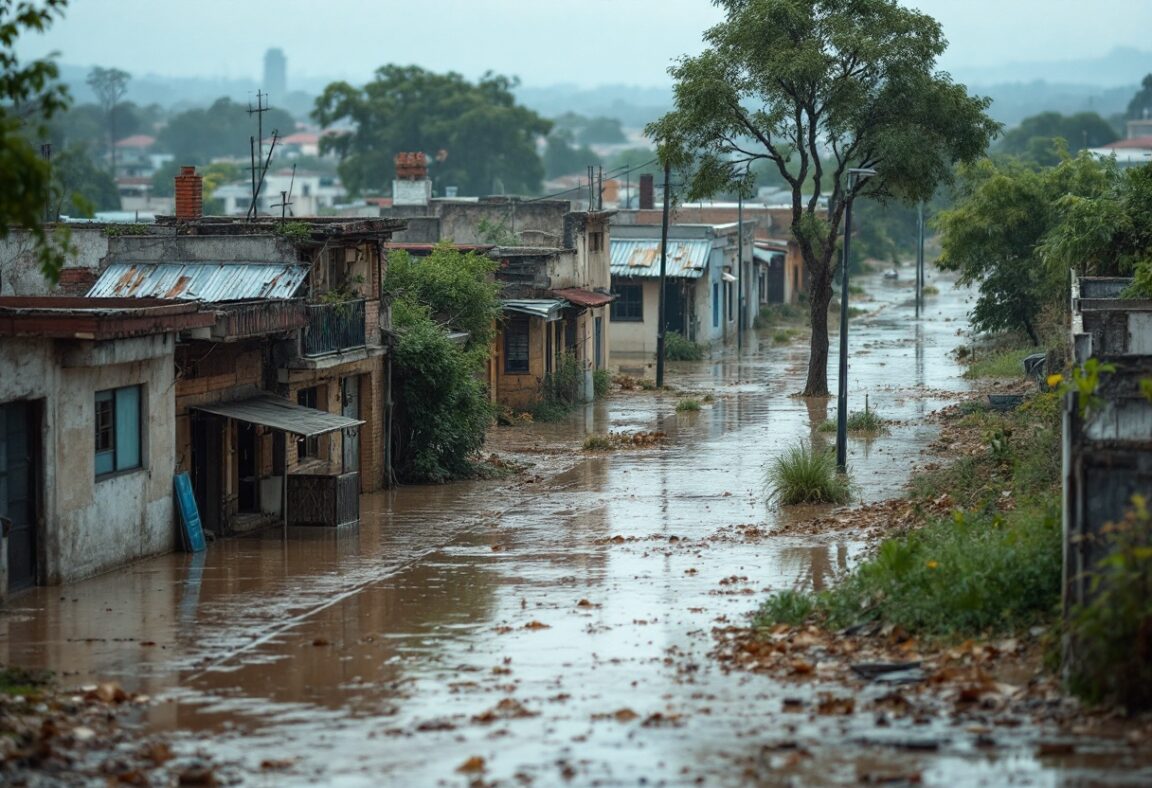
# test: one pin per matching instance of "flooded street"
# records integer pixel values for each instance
(556, 625)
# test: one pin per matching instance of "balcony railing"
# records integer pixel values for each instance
(256, 318)
(333, 327)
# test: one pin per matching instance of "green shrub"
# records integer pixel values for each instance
(601, 383)
(688, 405)
(828, 425)
(1111, 635)
(296, 232)
(801, 475)
(930, 290)
(782, 337)
(865, 421)
(774, 314)
(787, 607)
(130, 228)
(678, 348)
(598, 442)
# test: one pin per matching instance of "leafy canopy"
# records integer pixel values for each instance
(1017, 231)
(224, 129)
(28, 93)
(479, 138)
(443, 409)
(1039, 139)
(790, 82)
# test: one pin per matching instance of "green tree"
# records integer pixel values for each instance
(29, 95)
(482, 141)
(79, 186)
(1036, 138)
(1004, 232)
(443, 408)
(224, 129)
(563, 157)
(785, 81)
(109, 85)
(1140, 106)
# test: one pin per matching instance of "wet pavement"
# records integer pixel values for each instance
(556, 625)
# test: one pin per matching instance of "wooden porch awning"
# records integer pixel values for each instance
(281, 414)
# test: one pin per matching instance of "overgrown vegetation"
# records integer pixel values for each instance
(296, 232)
(561, 390)
(865, 421)
(993, 564)
(24, 682)
(688, 405)
(775, 314)
(601, 383)
(442, 408)
(1112, 633)
(804, 475)
(679, 348)
(117, 230)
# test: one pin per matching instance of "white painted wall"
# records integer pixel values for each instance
(92, 526)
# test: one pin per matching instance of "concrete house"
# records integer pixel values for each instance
(291, 379)
(701, 285)
(86, 442)
(555, 303)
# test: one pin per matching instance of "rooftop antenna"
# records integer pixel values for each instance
(252, 212)
(285, 204)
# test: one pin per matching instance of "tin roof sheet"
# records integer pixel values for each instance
(641, 258)
(543, 308)
(208, 282)
(281, 414)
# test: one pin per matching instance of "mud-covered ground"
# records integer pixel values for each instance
(578, 623)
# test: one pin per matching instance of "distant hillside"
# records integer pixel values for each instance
(1119, 68)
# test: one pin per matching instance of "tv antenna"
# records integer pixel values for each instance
(259, 110)
(259, 184)
(285, 204)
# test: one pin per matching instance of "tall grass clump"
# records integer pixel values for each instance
(865, 421)
(677, 347)
(688, 405)
(802, 475)
(560, 390)
(601, 383)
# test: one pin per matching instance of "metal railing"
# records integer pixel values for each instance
(333, 327)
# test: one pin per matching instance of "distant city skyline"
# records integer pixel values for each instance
(544, 43)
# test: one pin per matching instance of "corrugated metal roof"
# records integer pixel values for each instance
(209, 282)
(581, 297)
(543, 308)
(282, 414)
(641, 258)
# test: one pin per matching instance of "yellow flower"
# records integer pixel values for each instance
(932, 564)
(1055, 380)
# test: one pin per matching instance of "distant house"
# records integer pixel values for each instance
(701, 290)
(306, 193)
(1132, 152)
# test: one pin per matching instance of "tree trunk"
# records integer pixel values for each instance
(820, 295)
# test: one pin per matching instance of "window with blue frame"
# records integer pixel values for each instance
(715, 305)
(117, 430)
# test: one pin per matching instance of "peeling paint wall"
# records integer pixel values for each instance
(20, 273)
(89, 525)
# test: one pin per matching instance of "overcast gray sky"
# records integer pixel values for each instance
(587, 42)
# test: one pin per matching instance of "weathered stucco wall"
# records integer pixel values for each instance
(160, 248)
(20, 273)
(91, 525)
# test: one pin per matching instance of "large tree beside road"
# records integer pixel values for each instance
(29, 95)
(815, 88)
(481, 140)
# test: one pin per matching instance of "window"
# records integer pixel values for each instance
(715, 305)
(596, 242)
(117, 430)
(516, 345)
(629, 304)
(308, 447)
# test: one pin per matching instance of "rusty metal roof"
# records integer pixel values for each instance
(208, 282)
(641, 258)
(581, 297)
(281, 414)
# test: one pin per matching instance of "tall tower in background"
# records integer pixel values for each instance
(276, 74)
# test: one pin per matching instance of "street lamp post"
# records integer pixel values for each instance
(855, 175)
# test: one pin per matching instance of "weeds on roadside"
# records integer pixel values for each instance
(865, 421)
(679, 348)
(782, 337)
(775, 314)
(787, 607)
(688, 405)
(601, 383)
(802, 475)
(1112, 633)
(597, 442)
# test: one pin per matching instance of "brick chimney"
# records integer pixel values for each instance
(189, 195)
(647, 192)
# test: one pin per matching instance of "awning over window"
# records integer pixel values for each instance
(727, 277)
(578, 296)
(543, 308)
(281, 414)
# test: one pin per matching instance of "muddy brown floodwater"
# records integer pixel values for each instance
(549, 629)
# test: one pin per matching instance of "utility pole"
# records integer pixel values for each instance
(259, 111)
(663, 275)
(920, 259)
(740, 270)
